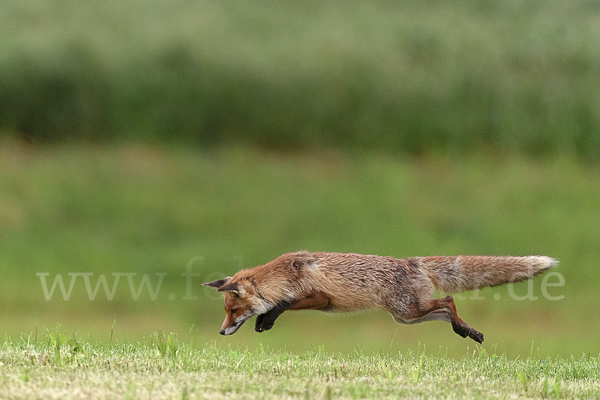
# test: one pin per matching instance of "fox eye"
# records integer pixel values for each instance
(235, 310)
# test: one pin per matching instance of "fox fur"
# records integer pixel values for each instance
(340, 282)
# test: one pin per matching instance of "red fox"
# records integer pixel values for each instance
(350, 282)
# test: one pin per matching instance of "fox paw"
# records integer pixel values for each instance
(263, 323)
(476, 336)
(258, 324)
(460, 330)
(464, 331)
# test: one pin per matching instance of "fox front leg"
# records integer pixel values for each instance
(313, 301)
(265, 321)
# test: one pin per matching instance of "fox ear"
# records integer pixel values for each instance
(230, 287)
(218, 283)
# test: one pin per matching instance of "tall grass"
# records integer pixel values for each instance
(404, 76)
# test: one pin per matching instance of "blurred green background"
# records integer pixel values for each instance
(148, 136)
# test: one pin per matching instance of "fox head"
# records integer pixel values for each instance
(241, 302)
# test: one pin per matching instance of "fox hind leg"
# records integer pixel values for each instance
(458, 324)
(440, 310)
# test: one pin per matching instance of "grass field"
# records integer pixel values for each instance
(138, 210)
(52, 365)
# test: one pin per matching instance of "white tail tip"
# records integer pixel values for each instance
(544, 262)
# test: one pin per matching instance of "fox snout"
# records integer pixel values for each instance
(232, 324)
(229, 330)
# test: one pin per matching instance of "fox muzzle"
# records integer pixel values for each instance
(230, 330)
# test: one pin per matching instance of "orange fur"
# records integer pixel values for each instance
(350, 282)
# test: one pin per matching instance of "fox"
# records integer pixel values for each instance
(347, 282)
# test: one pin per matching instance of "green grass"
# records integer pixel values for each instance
(402, 76)
(148, 210)
(163, 366)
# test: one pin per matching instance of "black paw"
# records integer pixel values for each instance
(258, 324)
(460, 330)
(464, 331)
(263, 323)
(476, 336)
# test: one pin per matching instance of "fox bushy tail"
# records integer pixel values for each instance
(455, 274)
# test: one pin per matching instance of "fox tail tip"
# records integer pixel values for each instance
(546, 262)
